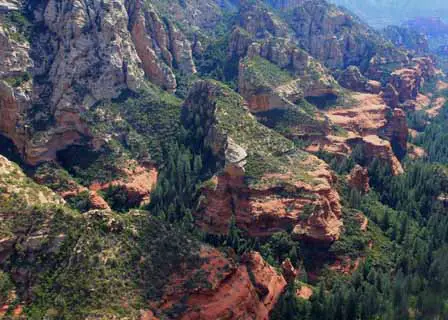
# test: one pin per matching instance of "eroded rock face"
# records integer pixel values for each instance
(308, 78)
(263, 211)
(397, 132)
(156, 70)
(226, 291)
(84, 53)
(352, 78)
(367, 116)
(14, 53)
(137, 183)
(205, 15)
(335, 37)
(15, 61)
(359, 179)
(371, 117)
(390, 96)
(263, 34)
(13, 103)
(76, 61)
(67, 187)
(380, 64)
(376, 148)
(305, 292)
(160, 45)
(266, 280)
(289, 272)
(259, 21)
(278, 199)
(407, 38)
(408, 81)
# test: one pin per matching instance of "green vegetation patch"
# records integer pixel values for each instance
(261, 73)
(234, 120)
(134, 126)
(99, 264)
(141, 123)
(17, 81)
(268, 151)
(295, 122)
(17, 25)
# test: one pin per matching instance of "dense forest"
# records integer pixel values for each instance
(219, 159)
(406, 278)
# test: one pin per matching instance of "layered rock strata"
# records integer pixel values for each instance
(293, 188)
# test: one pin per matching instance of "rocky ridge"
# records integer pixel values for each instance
(155, 46)
(87, 53)
(87, 60)
(263, 183)
(225, 289)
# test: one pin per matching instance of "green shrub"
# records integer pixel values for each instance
(5, 286)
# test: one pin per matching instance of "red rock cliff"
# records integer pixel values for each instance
(225, 289)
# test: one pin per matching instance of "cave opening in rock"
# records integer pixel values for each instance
(76, 157)
(9, 150)
(323, 101)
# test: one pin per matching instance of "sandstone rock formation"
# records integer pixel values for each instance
(80, 58)
(204, 15)
(67, 187)
(407, 38)
(396, 131)
(263, 202)
(137, 182)
(305, 292)
(288, 74)
(247, 291)
(373, 119)
(359, 179)
(390, 96)
(408, 81)
(15, 62)
(376, 148)
(275, 71)
(261, 22)
(352, 78)
(261, 84)
(160, 46)
(86, 62)
(337, 38)
(289, 272)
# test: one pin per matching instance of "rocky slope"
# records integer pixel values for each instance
(69, 240)
(45, 102)
(91, 105)
(222, 289)
(278, 79)
(407, 38)
(266, 183)
(381, 13)
(92, 53)
(14, 184)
